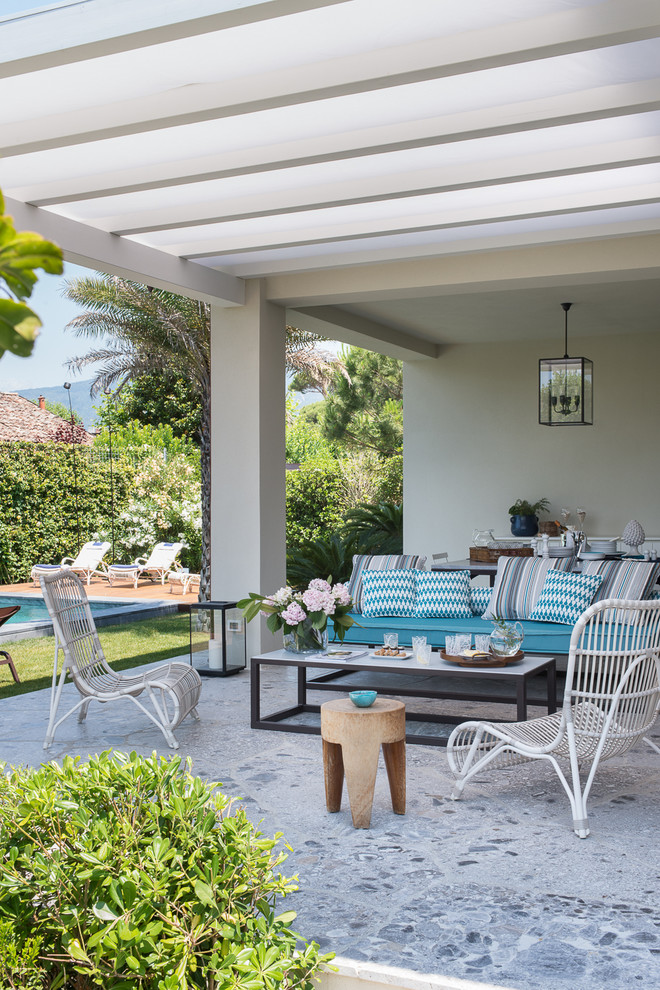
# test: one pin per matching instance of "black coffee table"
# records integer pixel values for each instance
(452, 683)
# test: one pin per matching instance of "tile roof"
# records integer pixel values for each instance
(21, 419)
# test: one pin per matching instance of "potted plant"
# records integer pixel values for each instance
(524, 516)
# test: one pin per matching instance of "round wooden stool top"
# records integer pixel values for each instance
(342, 721)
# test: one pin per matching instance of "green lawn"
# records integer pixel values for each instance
(125, 646)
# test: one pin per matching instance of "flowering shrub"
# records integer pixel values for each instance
(288, 609)
(164, 506)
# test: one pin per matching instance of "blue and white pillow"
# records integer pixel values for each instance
(390, 592)
(518, 585)
(633, 580)
(565, 596)
(380, 562)
(480, 599)
(443, 595)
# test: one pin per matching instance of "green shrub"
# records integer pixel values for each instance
(328, 556)
(378, 528)
(390, 480)
(134, 875)
(38, 519)
(313, 503)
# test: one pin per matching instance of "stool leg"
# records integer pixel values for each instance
(333, 767)
(360, 766)
(395, 764)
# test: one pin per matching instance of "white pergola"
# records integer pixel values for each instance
(410, 177)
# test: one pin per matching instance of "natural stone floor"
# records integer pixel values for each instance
(496, 888)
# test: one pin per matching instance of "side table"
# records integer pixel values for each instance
(352, 738)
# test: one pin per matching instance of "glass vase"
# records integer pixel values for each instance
(306, 639)
(506, 639)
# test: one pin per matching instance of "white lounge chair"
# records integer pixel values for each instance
(173, 688)
(160, 562)
(611, 700)
(88, 562)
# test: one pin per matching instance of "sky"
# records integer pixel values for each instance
(54, 346)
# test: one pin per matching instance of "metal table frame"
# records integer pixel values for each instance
(518, 674)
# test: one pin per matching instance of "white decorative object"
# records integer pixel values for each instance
(634, 536)
(215, 654)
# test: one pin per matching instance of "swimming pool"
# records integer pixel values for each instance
(33, 609)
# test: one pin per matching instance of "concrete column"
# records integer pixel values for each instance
(248, 548)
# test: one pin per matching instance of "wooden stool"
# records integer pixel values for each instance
(352, 738)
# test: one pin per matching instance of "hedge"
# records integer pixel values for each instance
(38, 519)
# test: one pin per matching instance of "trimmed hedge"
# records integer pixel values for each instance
(38, 521)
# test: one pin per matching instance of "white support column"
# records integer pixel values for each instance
(248, 548)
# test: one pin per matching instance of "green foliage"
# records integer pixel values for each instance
(365, 405)
(305, 442)
(312, 503)
(19, 963)
(21, 254)
(135, 875)
(153, 400)
(38, 521)
(390, 480)
(59, 409)
(524, 508)
(137, 440)
(329, 554)
(378, 528)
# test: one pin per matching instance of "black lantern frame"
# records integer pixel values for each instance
(566, 387)
(218, 639)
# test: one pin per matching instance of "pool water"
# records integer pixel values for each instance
(34, 609)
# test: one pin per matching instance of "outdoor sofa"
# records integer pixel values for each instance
(545, 595)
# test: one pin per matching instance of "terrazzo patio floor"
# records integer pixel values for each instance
(495, 888)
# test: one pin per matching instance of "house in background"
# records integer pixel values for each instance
(21, 419)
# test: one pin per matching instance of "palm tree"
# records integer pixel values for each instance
(142, 330)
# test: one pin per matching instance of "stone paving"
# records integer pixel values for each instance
(495, 888)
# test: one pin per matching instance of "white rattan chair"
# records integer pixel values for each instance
(173, 688)
(88, 562)
(611, 700)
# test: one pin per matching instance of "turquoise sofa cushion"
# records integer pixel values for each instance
(540, 637)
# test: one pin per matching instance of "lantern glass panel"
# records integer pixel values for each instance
(217, 638)
(566, 392)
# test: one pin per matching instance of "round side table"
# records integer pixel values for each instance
(352, 738)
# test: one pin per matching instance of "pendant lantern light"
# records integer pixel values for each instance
(566, 387)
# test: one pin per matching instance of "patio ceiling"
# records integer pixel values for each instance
(379, 164)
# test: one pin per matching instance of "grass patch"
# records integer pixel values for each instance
(129, 645)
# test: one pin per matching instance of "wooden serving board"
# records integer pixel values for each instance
(490, 661)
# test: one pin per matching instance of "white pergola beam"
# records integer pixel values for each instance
(595, 104)
(327, 321)
(117, 256)
(541, 38)
(31, 41)
(625, 258)
(472, 175)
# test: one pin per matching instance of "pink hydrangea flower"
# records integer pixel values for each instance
(318, 584)
(294, 614)
(319, 601)
(341, 594)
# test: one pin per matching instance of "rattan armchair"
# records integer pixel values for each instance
(611, 700)
(173, 689)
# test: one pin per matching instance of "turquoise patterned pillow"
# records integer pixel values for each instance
(565, 596)
(388, 592)
(443, 595)
(480, 599)
(381, 562)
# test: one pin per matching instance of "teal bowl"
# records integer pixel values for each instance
(363, 699)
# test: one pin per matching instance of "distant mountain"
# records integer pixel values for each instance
(80, 399)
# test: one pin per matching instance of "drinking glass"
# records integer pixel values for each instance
(455, 645)
(424, 654)
(482, 643)
(417, 642)
(391, 640)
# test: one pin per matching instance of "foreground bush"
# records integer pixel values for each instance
(129, 873)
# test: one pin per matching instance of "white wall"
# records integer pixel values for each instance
(473, 443)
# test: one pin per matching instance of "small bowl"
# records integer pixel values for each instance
(363, 699)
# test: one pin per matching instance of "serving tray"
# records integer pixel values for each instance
(490, 661)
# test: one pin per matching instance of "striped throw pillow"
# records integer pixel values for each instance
(385, 562)
(633, 580)
(518, 585)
